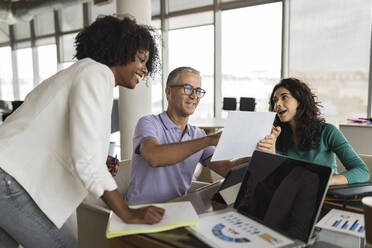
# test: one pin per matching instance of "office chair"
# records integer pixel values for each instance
(229, 103)
(15, 105)
(247, 104)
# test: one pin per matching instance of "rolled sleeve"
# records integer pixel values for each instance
(146, 128)
(90, 104)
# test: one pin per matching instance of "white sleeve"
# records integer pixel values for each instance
(90, 103)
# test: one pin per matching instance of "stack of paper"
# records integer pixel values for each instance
(343, 221)
(177, 214)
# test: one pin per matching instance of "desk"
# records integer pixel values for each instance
(208, 125)
(359, 135)
(200, 199)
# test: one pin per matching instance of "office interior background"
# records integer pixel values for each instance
(241, 48)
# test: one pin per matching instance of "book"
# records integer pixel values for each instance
(177, 214)
(343, 221)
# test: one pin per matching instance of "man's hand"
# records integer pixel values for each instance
(267, 144)
(145, 215)
(214, 138)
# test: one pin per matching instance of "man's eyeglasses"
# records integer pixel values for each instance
(189, 90)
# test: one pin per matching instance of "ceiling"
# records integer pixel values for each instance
(12, 11)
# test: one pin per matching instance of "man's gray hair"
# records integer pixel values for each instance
(173, 76)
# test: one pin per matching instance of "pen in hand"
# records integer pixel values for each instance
(114, 166)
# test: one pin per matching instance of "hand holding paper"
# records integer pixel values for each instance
(242, 132)
(268, 143)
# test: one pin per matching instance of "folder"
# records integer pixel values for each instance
(177, 214)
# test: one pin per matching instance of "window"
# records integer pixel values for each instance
(47, 61)
(44, 23)
(4, 33)
(156, 83)
(103, 9)
(187, 4)
(251, 52)
(194, 47)
(329, 49)
(6, 75)
(72, 17)
(67, 47)
(22, 30)
(25, 71)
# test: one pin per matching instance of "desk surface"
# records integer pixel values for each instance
(208, 123)
(201, 200)
(355, 124)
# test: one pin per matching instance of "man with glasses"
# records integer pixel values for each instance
(167, 148)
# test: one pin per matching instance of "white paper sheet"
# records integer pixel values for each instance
(343, 221)
(241, 134)
(229, 194)
(233, 230)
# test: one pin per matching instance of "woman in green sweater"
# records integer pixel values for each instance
(306, 135)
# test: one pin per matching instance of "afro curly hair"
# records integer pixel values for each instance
(112, 41)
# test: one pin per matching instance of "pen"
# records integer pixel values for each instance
(114, 165)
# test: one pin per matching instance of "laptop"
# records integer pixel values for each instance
(350, 191)
(229, 189)
(278, 205)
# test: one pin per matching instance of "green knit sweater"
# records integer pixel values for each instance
(332, 143)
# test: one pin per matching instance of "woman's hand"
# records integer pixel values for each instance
(145, 215)
(338, 180)
(267, 144)
(111, 166)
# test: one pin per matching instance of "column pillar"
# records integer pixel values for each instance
(133, 104)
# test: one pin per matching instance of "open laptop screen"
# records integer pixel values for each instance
(284, 194)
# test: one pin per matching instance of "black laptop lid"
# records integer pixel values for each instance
(284, 194)
(234, 176)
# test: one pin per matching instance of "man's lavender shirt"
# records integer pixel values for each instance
(154, 185)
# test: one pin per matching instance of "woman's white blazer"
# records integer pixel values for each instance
(56, 143)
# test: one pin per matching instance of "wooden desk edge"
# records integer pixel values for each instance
(356, 125)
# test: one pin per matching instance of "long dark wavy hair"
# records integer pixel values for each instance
(113, 40)
(308, 119)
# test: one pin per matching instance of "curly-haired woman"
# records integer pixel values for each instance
(306, 135)
(53, 148)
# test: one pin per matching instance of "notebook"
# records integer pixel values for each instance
(173, 218)
(229, 189)
(278, 204)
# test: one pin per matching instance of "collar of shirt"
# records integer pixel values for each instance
(169, 124)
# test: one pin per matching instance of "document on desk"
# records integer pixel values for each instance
(343, 221)
(241, 134)
(177, 214)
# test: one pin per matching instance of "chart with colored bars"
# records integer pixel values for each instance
(343, 221)
(232, 229)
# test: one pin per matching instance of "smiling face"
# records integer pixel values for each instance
(130, 74)
(178, 101)
(285, 105)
